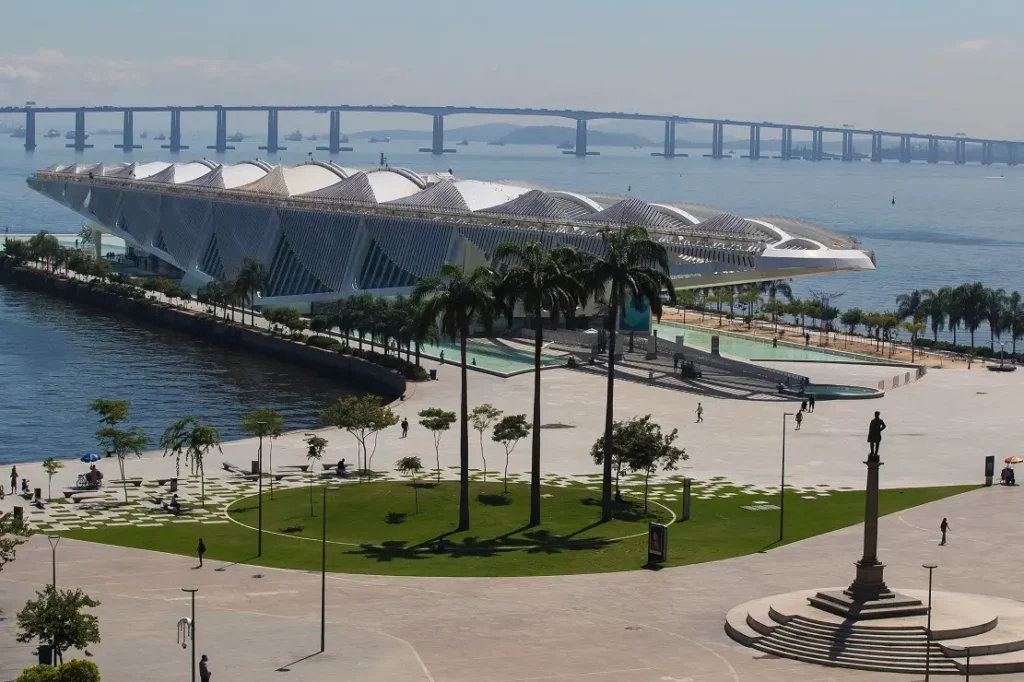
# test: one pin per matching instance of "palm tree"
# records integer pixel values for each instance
(189, 437)
(955, 308)
(995, 305)
(540, 280)
(974, 301)
(774, 287)
(750, 298)
(908, 305)
(455, 300)
(632, 270)
(251, 278)
(914, 328)
(934, 306)
(1013, 321)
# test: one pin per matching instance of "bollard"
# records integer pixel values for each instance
(19, 513)
(38, 494)
(254, 467)
(990, 469)
(686, 499)
(174, 485)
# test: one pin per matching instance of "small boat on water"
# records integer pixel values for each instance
(374, 140)
(566, 145)
(343, 139)
(161, 136)
(144, 135)
(462, 143)
(19, 132)
(237, 137)
(70, 135)
(295, 136)
(52, 132)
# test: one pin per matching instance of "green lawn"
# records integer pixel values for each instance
(375, 529)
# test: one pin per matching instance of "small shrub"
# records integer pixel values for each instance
(325, 342)
(40, 673)
(79, 670)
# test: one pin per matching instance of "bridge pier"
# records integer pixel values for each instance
(847, 146)
(817, 143)
(876, 147)
(30, 130)
(1011, 153)
(128, 133)
(905, 150)
(786, 152)
(986, 153)
(933, 150)
(79, 144)
(669, 144)
(960, 152)
(174, 140)
(334, 137)
(220, 144)
(437, 137)
(717, 141)
(272, 146)
(755, 143)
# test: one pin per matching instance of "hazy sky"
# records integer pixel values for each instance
(921, 65)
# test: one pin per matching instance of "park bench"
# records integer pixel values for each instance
(86, 496)
(302, 467)
(129, 481)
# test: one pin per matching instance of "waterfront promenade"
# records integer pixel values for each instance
(262, 624)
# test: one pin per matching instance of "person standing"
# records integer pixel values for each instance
(700, 413)
(875, 429)
(405, 427)
(799, 419)
(810, 402)
(803, 405)
(14, 480)
(201, 550)
(204, 669)
(944, 526)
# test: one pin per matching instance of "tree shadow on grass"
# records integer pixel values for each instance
(626, 510)
(395, 518)
(494, 500)
(291, 530)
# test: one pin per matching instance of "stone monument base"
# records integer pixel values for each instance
(888, 604)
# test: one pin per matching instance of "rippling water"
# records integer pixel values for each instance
(56, 357)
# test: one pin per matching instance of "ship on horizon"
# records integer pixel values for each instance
(237, 137)
(374, 140)
(70, 135)
(295, 136)
(160, 136)
(19, 132)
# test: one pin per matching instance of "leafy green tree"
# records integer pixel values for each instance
(851, 318)
(483, 416)
(51, 466)
(85, 236)
(633, 270)
(509, 431)
(13, 533)
(934, 306)
(914, 328)
(411, 467)
(117, 441)
(750, 298)
(437, 421)
(57, 617)
(315, 446)
(44, 247)
(540, 280)
(687, 299)
(39, 673)
(79, 670)
(318, 325)
(642, 446)
(362, 416)
(455, 300)
(264, 422)
(194, 440)
(16, 250)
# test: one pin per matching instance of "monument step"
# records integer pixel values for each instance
(867, 626)
(855, 650)
(857, 633)
(937, 667)
(830, 606)
(996, 664)
(869, 643)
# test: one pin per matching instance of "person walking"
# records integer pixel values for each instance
(944, 526)
(201, 550)
(14, 480)
(875, 429)
(700, 413)
(799, 419)
(810, 403)
(204, 669)
(803, 405)
(405, 427)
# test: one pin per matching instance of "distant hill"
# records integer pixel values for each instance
(485, 132)
(555, 135)
(394, 134)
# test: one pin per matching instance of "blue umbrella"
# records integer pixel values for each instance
(91, 457)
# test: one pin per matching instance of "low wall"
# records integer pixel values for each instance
(384, 382)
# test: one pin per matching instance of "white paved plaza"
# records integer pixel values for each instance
(666, 626)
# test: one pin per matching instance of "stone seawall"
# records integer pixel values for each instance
(387, 383)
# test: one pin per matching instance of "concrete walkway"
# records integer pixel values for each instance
(642, 626)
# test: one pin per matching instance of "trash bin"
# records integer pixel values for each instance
(45, 653)
(174, 485)
(19, 513)
(38, 494)
(433, 375)
(254, 467)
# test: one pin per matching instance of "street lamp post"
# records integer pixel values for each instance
(259, 466)
(782, 486)
(928, 650)
(323, 566)
(54, 539)
(192, 627)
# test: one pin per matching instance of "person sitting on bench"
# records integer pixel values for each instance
(341, 468)
(1008, 476)
(173, 506)
(94, 477)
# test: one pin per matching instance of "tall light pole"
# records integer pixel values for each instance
(54, 539)
(323, 566)
(928, 650)
(782, 485)
(192, 627)
(259, 466)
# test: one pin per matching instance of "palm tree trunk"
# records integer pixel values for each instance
(464, 435)
(535, 459)
(606, 478)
